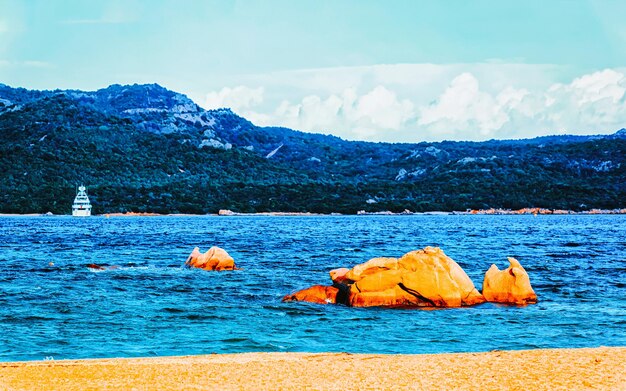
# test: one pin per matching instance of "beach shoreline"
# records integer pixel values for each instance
(228, 213)
(541, 369)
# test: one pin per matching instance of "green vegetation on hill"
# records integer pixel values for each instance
(147, 149)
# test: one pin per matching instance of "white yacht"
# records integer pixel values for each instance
(81, 206)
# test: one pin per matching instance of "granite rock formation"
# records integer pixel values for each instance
(423, 278)
(511, 285)
(215, 258)
(320, 294)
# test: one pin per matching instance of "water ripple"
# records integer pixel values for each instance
(145, 303)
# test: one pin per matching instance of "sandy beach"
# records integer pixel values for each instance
(552, 369)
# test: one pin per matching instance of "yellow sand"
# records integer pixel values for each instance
(553, 369)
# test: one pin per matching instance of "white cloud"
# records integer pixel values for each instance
(346, 114)
(599, 85)
(237, 98)
(311, 113)
(419, 82)
(590, 103)
(383, 108)
(463, 108)
(415, 102)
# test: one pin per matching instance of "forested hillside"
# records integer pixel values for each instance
(143, 148)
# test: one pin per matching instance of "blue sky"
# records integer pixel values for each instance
(372, 70)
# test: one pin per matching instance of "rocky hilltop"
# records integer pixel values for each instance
(143, 148)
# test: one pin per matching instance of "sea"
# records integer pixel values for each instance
(146, 303)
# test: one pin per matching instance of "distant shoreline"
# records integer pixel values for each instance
(224, 212)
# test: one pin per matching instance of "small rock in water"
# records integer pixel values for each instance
(214, 259)
(95, 266)
(316, 294)
(510, 286)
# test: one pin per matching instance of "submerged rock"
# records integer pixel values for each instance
(316, 294)
(95, 266)
(423, 278)
(510, 286)
(214, 259)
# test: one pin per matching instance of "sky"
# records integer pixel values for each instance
(395, 71)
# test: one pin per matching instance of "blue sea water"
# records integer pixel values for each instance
(151, 305)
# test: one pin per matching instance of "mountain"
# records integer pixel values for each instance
(144, 148)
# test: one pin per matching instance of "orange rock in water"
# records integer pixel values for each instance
(371, 267)
(424, 278)
(435, 277)
(214, 259)
(378, 282)
(392, 297)
(95, 266)
(510, 286)
(338, 275)
(316, 294)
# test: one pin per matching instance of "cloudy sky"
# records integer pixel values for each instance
(369, 70)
